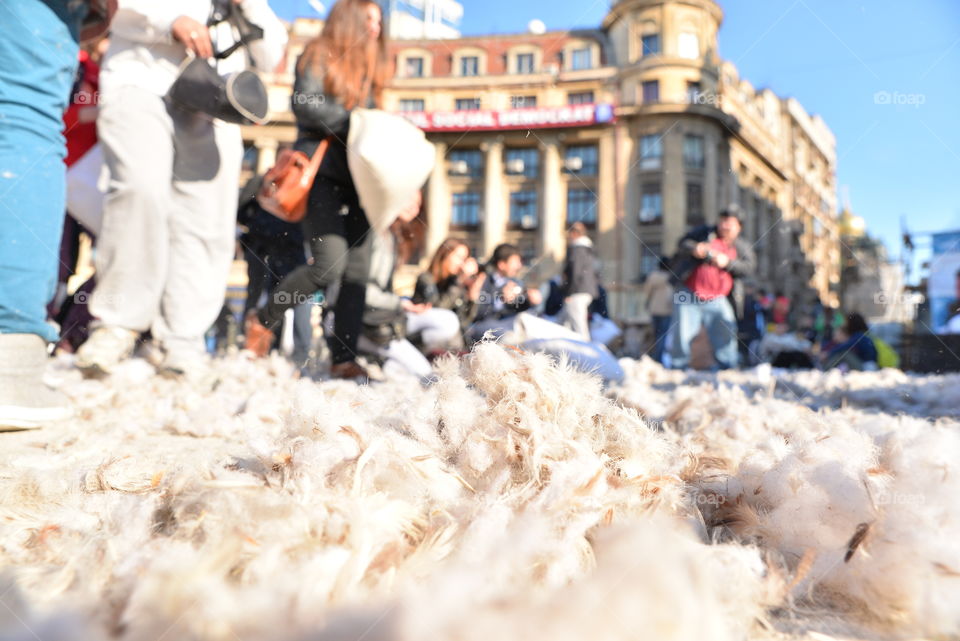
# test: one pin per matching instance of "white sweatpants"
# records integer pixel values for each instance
(167, 240)
(576, 314)
(438, 328)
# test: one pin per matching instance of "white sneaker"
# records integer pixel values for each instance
(189, 364)
(104, 350)
(26, 402)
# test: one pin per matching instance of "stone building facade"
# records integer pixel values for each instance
(636, 128)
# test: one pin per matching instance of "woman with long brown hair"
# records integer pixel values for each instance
(343, 68)
(452, 281)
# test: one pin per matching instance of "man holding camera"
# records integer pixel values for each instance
(709, 264)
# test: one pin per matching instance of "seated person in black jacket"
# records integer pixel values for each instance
(452, 281)
(502, 295)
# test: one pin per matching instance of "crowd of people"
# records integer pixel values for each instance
(153, 180)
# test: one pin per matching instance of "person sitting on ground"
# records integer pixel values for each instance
(580, 280)
(503, 295)
(857, 351)
(451, 282)
(785, 349)
(388, 318)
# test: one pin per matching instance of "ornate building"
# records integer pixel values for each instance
(637, 129)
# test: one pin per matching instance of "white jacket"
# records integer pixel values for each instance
(143, 53)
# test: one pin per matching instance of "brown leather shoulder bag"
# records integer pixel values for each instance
(287, 183)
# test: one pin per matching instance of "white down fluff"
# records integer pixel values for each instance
(513, 499)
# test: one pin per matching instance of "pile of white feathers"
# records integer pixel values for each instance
(514, 498)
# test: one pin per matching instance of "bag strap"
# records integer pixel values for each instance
(228, 11)
(317, 158)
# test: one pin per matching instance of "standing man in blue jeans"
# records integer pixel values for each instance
(38, 60)
(710, 262)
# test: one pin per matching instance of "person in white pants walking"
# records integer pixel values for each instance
(167, 241)
(580, 280)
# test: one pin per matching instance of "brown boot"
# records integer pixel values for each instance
(259, 338)
(348, 370)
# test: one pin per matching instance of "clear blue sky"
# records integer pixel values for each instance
(894, 160)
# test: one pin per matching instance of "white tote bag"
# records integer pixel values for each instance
(390, 159)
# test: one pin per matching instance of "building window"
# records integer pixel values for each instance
(651, 91)
(581, 206)
(651, 151)
(523, 209)
(650, 258)
(695, 205)
(580, 98)
(581, 59)
(525, 63)
(693, 152)
(693, 92)
(465, 162)
(651, 204)
(689, 45)
(523, 102)
(651, 45)
(413, 68)
(467, 104)
(581, 160)
(523, 162)
(412, 105)
(469, 66)
(466, 209)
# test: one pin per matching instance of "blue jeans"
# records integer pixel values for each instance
(690, 314)
(661, 326)
(38, 60)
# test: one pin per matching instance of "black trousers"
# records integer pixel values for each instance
(338, 233)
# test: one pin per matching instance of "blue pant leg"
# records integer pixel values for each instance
(38, 59)
(661, 326)
(687, 320)
(722, 329)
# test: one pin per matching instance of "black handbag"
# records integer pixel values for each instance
(240, 97)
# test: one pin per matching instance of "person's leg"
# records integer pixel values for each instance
(576, 313)
(661, 325)
(687, 321)
(132, 254)
(348, 319)
(256, 277)
(326, 231)
(438, 328)
(721, 324)
(206, 173)
(38, 58)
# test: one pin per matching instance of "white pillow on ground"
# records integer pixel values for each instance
(588, 357)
